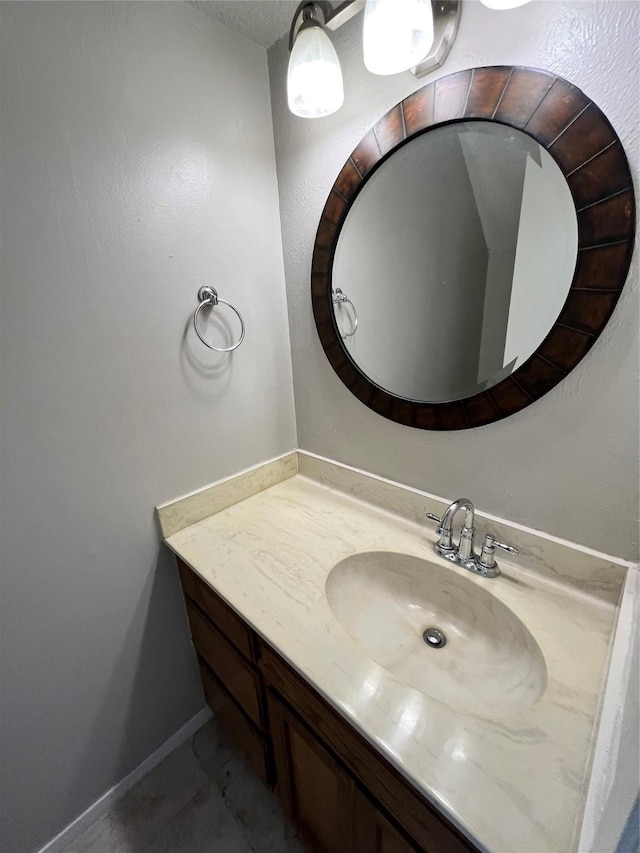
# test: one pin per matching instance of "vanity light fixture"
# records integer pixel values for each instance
(314, 76)
(398, 35)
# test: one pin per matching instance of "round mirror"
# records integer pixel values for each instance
(473, 247)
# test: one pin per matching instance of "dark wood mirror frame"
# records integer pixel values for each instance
(589, 153)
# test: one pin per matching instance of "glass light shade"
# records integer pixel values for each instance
(314, 78)
(504, 4)
(397, 34)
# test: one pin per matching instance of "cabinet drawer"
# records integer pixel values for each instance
(219, 613)
(228, 664)
(236, 725)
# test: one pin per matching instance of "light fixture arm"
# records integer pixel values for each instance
(446, 17)
(343, 13)
(330, 18)
(446, 21)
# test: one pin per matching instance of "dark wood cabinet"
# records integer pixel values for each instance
(232, 683)
(238, 676)
(250, 742)
(339, 791)
(317, 795)
(376, 834)
(321, 797)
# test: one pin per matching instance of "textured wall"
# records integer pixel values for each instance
(137, 164)
(568, 464)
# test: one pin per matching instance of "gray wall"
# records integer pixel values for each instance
(568, 464)
(137, 164)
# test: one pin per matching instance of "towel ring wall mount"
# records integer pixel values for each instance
(340, 298)
(209, 296)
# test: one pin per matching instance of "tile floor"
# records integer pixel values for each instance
(203, 798)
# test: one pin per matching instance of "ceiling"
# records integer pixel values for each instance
(262, 21)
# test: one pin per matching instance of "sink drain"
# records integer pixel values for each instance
(434, 637)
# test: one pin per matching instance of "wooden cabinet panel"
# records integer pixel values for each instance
(233, 722)
(375, 833)
(220, 614)
(387, 839)
(231, 668)
(331, 812)
(318, 797)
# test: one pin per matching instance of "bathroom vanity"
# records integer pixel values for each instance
(342, 794)
(305, 663)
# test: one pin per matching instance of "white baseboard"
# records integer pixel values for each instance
(104, 803)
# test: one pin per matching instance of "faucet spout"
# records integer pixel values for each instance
(447, 519)
(464, 550)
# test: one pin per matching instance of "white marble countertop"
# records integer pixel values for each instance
(512, 782)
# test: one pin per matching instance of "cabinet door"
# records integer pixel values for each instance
(317, 795)
(387, 839)
(330, 811)
(380, 782)
(375, 833)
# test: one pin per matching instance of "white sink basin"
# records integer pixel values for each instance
(490, 664)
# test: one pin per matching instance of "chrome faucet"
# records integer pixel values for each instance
(463, 554)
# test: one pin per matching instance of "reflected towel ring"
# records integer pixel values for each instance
(209, 296)
(339, 298)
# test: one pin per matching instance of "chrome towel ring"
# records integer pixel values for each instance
(209, 296)
(339, 298)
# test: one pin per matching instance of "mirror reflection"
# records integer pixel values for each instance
(454, 261)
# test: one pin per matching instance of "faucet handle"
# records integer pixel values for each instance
(439, 529)
(487, 558)
(444, 545)
(490, 541)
